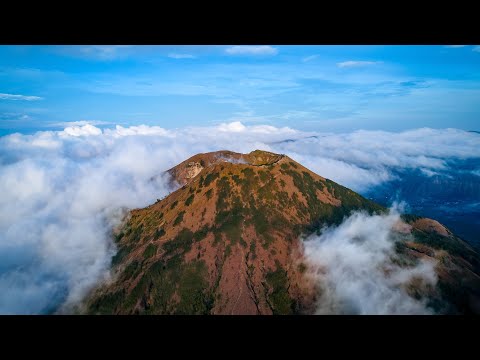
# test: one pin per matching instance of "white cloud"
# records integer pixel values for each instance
(351, 63)
(476, 48)
(19, 97)
(251, 50)
(235, 126)
(181, 56)
(66, 189)
(352, 267)
(137, 130)
(82, 130)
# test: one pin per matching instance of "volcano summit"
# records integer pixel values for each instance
(230, 240)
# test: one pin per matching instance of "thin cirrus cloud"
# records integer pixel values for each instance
(13, 116)
(19, 97)
(352, 63)
(181, 56)
(251, 50)
(95, 52)
(100, 52)
(475, 48)
(310, 58)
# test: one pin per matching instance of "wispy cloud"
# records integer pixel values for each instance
(19, 97)
(181, 56)
(252, 50)
(78, 123)
(352, 63)
(454, 46)
(13, 117)
(296, 114)
(103, 52)
(96, 52)
(476, 48)
(310, 58)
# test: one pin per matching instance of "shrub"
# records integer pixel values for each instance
(179, 218)
(210, 178)
(183, 242)
(236, 179)
(107, 303)
(159, 233)
(189, 200)
(278, 297)
(224, 190)
(248, 172)
(264, 176)
(131, 269)
(228, 250)
(209, 194)
(150, 251)
(201, 233)
(136, 234)
(120, 255)
(119, 237)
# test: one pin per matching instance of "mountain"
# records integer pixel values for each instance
(227, 241)
(451, 196)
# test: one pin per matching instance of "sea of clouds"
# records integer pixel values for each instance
(64, 191)
(351, 264)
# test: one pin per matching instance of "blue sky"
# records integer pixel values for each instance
(323, 88)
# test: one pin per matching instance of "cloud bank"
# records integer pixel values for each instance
(362, 159)
(64, 191)
(353, 269)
